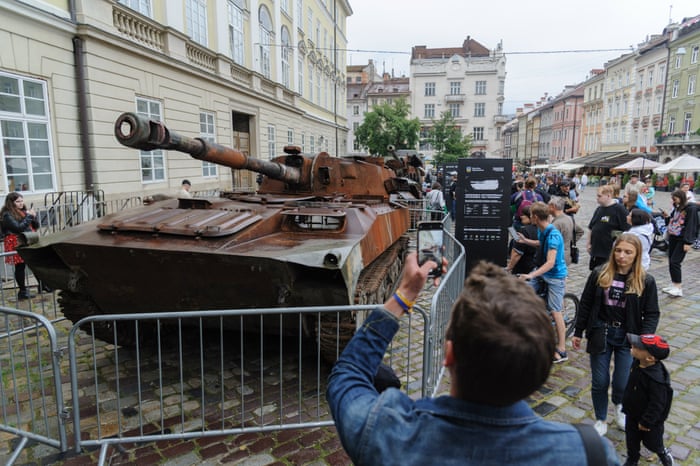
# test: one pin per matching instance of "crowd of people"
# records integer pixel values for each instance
(502, 330)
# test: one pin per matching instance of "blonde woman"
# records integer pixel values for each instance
(619, 298)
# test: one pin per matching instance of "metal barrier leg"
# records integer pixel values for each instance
(17, 451)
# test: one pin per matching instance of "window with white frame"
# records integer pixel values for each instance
(290, 136)
(271, 145)
(207, 131)
(355, 109)
(318, 33)
(651, 78)
(318, 87)
(694, 55)
(478, 133)
(355, 142)
(641, 79)
(284, 5)
(674, 89)
(300, 13)
(453, 108)
(679, 60)
(480, 88)
(429, 111)
(479, 109)
(265, 40)
(235, 30)
(142, 6)
(648, 106)
(25, 131)
(429, 89)
(300, 75)
(303, 142)
(286, 51)
(662, 74)
(311, 82)
(309, 22)
(153, 161)
(196, 18)
(671, 125)
(312, 144)
(691, 84)
(687, 121)
(659, 104)
(455, 88)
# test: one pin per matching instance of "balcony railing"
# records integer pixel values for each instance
(680, 138)
(454, 98)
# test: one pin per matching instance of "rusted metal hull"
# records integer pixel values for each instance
(157, 258)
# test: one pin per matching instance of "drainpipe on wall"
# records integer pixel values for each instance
(83, 113)
(82, 103)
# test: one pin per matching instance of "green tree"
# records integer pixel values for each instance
(388, 124)
(447, 140)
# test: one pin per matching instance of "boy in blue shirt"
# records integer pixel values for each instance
(552, 271)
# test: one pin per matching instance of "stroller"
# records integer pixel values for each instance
(659, 242)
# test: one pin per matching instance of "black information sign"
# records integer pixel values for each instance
(483, 209)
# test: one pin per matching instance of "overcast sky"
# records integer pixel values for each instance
(395, 26)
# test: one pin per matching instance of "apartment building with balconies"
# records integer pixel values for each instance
(620, 80)
(469, 83)
(567, 112)
(591, 140)
(254, 75)
(681, 120)
(651, 66)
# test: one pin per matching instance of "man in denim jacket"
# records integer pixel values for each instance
(498, 351)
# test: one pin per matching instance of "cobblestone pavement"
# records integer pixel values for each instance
(565, 397)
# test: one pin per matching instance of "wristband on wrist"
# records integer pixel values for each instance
(404, 303)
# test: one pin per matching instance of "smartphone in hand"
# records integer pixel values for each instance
(431, 244)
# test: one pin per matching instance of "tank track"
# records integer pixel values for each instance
(376, 284)
(75, 306)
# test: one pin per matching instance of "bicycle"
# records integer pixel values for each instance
(569, 309)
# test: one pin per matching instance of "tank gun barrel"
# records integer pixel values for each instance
(138, 132)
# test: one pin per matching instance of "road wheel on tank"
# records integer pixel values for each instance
(76, 306)
(376, 284)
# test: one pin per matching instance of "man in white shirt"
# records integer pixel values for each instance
(634, 185)
(185, 190)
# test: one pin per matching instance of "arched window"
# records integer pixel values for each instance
(265, 40)
(285, 56)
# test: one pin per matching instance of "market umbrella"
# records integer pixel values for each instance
(640, 163)
(683, 164)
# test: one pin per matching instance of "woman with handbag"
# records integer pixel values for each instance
(619, 298)
(17, 219)
(682, 229)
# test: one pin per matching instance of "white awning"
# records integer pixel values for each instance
(540, 167)
(567, 166)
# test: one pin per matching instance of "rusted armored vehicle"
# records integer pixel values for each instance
(320, 230)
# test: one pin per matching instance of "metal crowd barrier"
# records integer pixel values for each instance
(193, 376)
(197, 373)
(31, 398)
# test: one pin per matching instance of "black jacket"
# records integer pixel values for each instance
(11, 225)
(641, 312)
(648, 395)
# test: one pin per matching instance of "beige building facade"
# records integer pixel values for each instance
(469, 83)
(252, 74)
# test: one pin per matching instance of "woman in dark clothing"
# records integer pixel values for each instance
(17, 219)
(682, 230)
(619, 298)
